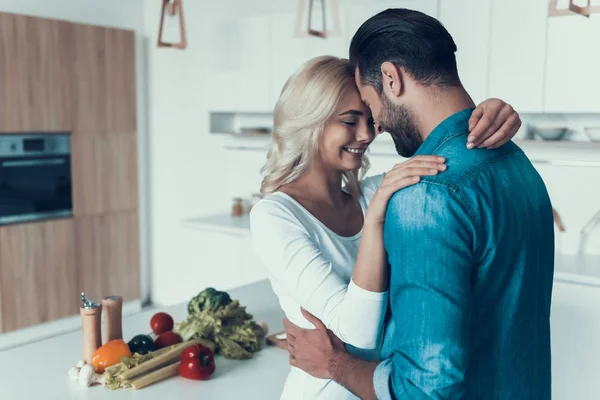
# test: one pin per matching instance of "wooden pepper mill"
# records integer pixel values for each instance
(91, 314)
(113, 306)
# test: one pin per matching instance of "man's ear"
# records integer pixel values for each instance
(391, 78)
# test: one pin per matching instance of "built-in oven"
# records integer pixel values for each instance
(35, 177)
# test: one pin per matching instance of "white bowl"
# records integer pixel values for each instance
(550, 132)
(593, 132)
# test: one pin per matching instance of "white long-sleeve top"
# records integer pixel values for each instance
(311, 266)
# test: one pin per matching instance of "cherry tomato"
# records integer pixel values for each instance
(167, 339)
(161, 322)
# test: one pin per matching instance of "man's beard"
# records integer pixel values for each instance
(399, 122)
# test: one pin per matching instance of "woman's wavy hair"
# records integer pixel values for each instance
(308, 100)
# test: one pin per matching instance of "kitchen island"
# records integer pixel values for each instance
(39, 370)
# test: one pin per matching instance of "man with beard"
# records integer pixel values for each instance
(471, 251)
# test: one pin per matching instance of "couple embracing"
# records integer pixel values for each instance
(432, 281)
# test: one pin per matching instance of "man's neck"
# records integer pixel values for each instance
(439, 104)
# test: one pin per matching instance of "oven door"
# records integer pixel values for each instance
(34, 187)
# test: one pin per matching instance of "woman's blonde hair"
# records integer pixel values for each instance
(308, 100)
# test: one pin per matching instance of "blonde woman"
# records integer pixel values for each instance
(319, 230)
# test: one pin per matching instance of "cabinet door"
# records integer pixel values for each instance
(38, 279)
(35, 74)
(104, 74)
(238, 61)
(104, 173)
(107, 255)
(572, 77)
(517, 52)
(575, 324)
(289, 52)
(472, 55)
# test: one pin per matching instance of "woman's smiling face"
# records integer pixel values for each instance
(347, 134)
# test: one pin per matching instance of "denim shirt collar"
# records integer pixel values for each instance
(456, 124)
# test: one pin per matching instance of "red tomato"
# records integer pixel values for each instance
(161, 322)
(167, 339)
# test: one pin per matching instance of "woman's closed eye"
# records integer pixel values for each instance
(349, 123)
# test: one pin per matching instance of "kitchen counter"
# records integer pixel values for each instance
(223, 223)
(39, 370)
(582, 269)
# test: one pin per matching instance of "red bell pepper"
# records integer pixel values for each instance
(197, 363)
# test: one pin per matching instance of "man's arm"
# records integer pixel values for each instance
(323, 355)
(430, 239)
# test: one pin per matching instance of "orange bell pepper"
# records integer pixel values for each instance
(109, 354)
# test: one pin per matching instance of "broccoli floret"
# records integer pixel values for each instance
(208, 300)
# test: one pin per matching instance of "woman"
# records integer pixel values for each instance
(319, 231)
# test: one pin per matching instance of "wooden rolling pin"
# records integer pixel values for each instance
(113, 317)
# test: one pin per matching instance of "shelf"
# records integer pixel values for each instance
(223, 223)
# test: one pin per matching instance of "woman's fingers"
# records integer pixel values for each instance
(504, 134)
(410, 169)
(497, 131)
(437, 159)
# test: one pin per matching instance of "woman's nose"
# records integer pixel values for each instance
(364, 134)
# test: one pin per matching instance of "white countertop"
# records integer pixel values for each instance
(39, 370)
(583, 269)
(222, 223)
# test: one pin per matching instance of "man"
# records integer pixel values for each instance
(471, 251)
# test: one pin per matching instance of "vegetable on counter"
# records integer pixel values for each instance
(161, 322)
(110, 354)
(167, 339)
(84, 374)
(197, 363)
(214, 316)
(155, 376)
(141, 344)
(132, 369)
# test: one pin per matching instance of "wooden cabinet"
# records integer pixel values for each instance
(35, 74)
(472, 58)
(104, 95)
(575, 324)
(104, 173)
(572, 65)
(517, 52)
(38, 277)
(107, 255)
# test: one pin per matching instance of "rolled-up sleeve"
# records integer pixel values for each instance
(430, 240)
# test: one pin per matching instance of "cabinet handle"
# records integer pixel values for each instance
(31, 163)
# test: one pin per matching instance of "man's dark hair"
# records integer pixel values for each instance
(409, 39)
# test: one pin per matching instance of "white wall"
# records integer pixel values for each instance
(128, 14)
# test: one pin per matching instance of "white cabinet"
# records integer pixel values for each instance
(238, 61)
(575, 324)
(469, 24)
(573, 64)
(517, 52)
(289, 52)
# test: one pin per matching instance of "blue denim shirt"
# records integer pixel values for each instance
(472, 261)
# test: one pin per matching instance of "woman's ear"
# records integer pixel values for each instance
(391, 79)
